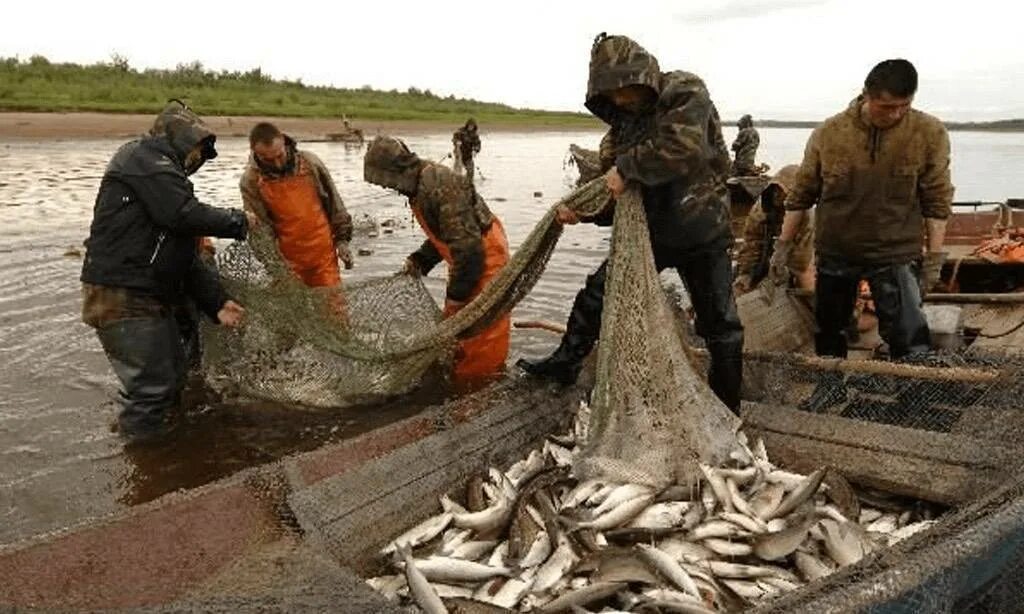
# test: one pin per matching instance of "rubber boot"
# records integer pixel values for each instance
(582, 331)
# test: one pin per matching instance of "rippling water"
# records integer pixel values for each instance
(59, 463)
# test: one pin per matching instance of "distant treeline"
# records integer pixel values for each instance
(1003, 125)
(36, 84)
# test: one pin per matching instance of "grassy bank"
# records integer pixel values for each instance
(37, 84)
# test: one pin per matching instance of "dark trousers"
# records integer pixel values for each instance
(897, 297)
(148, 357)
(708, 279)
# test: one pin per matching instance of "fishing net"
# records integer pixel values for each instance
(653, 419)
(326, 347)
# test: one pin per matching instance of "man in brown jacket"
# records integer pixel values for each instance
(291, 191)
(879, 174)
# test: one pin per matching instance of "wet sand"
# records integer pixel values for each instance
(46, 126)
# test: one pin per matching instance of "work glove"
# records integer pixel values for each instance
(344, 253)
(931, 270)
(778, 266)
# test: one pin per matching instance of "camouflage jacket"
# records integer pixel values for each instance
(873, 187)
(337, 216)
(673, 148)
(458, 217)
(468, 142)
(745, 146)
(756, 236)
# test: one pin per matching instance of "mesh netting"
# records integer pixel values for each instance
(653, 419)
(327, 347)
(944, 427)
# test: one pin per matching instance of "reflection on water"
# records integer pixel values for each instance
(59, 461)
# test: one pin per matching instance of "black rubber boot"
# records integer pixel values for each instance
(582, 331)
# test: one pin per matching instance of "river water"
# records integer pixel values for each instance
(59, 462)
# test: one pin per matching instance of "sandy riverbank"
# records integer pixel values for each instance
(47, 126)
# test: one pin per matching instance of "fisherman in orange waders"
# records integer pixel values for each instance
(460, 230)
(292, 192)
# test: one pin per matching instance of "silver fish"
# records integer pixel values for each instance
(623, 493)
(539, 551)
(807, 488)
(737, 499)
(717, 486)
(447, 569)
(775, 546)
(500, 554)
(727, 548)
(557, 565)
(423, 593)
(619, 515)
(452, 539)
(721, 569)
(777, 524)
(742, 477)
(451, 506)
(717, 528)
(452, 591)
(561, 456)
(600, 495)
(670, 568)
(886, 524)
(748, 523)
(767, 500)
(583, 596)
(747, 590)
(662, 515)
(844, 543)
(485, 520)
(810, 566)
(421, 533)
(474, 550)
(388, 585)
(513, 591)
(581, 493)
(869, 515)
(788, 480)
(683, 550)
(911, 529)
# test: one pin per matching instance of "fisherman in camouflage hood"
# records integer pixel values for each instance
(665, 137)
(745, 146)
(141, 264)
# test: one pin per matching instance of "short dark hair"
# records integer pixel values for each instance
(263, 132)
(897, 77)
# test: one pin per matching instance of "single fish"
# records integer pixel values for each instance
(539, 551)
(452, 539)
(721, 569)
(513, 591)
(499, 555)
(556, 566)
(717, 486)
(911, 529)
(747, 590)
(599, 495)
(619, 515)
(683, 550)
(662, 515)
(741, 477)
(777, 524)
(620, 495)
(474, 550)
(844, 543)
(448, 569)
(451, 591)
(780, 584)
(886, 524)
(586, 595)
(767, 500)
(422, 592)
(810, 566)
(869, 515)
(737, 499)
(421, 533)
(717, 528)
(489, 519)
(804, 491)
(788, 480)
(830, 511)
(577, 496)
(775, 546)
(746, 522)
(670, 568)
(561, 456)
(727, 548)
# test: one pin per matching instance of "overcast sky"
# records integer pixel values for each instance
(782, 59)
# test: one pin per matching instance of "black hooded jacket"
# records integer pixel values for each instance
(147, 220)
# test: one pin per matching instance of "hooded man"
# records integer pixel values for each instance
(762, 227)
(460, 230)
(745, 147)
(664, 137)
(141, 263)
(466, 141)
(291, 190)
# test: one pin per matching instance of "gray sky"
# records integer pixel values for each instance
(782, 59)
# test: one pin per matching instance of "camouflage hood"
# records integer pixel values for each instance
(618, 61)
(183, 130)
(390, 164)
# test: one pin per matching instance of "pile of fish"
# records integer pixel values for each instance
(533, 539)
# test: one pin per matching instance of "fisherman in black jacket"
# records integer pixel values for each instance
(142, 263)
